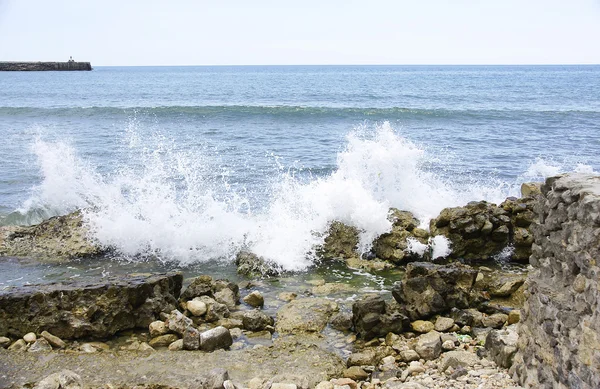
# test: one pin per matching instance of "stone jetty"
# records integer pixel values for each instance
(45, 66)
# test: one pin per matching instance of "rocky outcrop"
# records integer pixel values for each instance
(43, 66)
(373, 317)
(251, 265)
(559, 334)
(305, 315)
(340, 242)
(88, 310)
(58, 238)
(522, 215)
(393, 246)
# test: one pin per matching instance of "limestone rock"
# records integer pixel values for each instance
(409, 355)
(355, 373)
(30, 337)
(393, 246)
(422, 326)
(496, 320)
(341, 242)
(19, 345)
(256, 320)
(217, 338)
(176, 345)
(373, 317)
(200, 286)
(66, 379)
(305, 315)
(251, 265)
(55, 341)
(158, 328)
(191, 339)
(531, 189)
(40, 345)
(514, 316)
(364, 358)
(163, 340)
(255, 299)
(4, 342)
(215, 379)
(502, 346)
(341, 321)
(72, 310)
(178, 322)
(443, 324)
(456, 359)
(429, 346)
(196, 307)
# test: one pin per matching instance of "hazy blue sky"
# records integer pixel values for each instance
(235, 32)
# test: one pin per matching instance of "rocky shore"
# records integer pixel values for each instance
(44, 66)
(455, 322)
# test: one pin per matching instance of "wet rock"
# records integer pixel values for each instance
(372, 317)
(74, 310)
(341, 321)
(428, 289)
(226, 293)
(496, 320)
(522, 215)
(256, 320)
(191, 339)
(196, 307)
(19, 345)
(429, 346)
(422, 326)
(57, 239)
(341, 242)
(531, 189)
(251, 265)
(356, 373)
(55, 341)
(215, 379)
(443, 324)
(217, 338)
(176, 345)
(393, 246)
(158, 328)
(287, 296)
(66, 379)
(163, 340)
(305, 315)
(40, 345)
(200, 286)
(456, 359)
(177, 322)
(30, 337)
(214, 310)
(331, 288)
(4, 342)
(255, 299)
(502, 346)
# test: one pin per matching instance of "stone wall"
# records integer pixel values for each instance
(559, 335)
(44, 66)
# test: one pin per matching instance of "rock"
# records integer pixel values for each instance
(456, 359)
(514, 316)
(393, 246)
(191, 339)
(496, 320)
(448, 345)
(409, 355)
(251, 265)
(200, 286)
(196, 307)
(19, 345)
(53, 340)
(277, 385)
(66, 379)
(215, 379)
(372, 317)
(4, 342)
(341, 382)
(214, 310)
(217, 338)
(428, 289)
(158, 328)
(88, 348)
(531, 189)
(429, 346)
(59, 238)
(323, 385)
(414, 368)
(227, 297)
(364, 358)
(403, 385)
(341, 242)
(422, 326)
(177, 322)
(73, 310)
(331, 288)
(341, 321)
(177, 345)
(467, 317)
(163, 340)
(355, 373)
(40, 345)
(502, 346)
(305, 315)
(256, 320)
(287, 296)
(255, 299)
(443, 324)
(30, 337)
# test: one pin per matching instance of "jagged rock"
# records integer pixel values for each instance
(163, 340)
(502, 346)
(218, 337)
(256, 320)
(341, 242)
(496, 320)
(409, 355)
(251, 265)
(456, 359)
(392, 246)
(531, 189)
(477, 231)
(372, 317)
(215, 379)
(429, 345)
(514, 316)
(74, 310)
(56, 239)
(443, 324)
(66, 379)
(191, 339)
(226, 292)
(158, 328)
(467, 317)
(40, 345)
(178, 322)
(200, 286)
(428, 289)
(305, 315)
(341, 321)
(522, 216)
(448, 345)
(53, 340)
(366, 357)
(255, 299)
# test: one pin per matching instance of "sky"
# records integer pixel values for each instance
(280, 32)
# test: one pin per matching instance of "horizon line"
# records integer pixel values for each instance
(341, 64)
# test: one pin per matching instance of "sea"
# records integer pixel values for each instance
(189, 165)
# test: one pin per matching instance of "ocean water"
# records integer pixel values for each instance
(191, 164)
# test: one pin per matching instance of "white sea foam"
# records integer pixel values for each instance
(180, 205)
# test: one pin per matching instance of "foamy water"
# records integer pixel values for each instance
(181, 206)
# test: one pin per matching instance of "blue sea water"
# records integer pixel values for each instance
(192, 163)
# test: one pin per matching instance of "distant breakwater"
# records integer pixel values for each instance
(45, 66)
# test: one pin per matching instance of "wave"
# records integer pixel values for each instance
(181, 206)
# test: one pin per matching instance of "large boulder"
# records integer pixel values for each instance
(428, 289)
(373, 317)
(305, 315)
(88, 309)
(502, 346)
(393, 246)
(341, 242)
(56, 239)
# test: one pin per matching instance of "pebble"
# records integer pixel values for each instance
(196, 307)
(30, 337)
(4, 342)
(53, 340)
(254, 299)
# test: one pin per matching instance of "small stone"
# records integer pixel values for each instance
(456, 359)
(429, 346)
(88, 348)
(345, 382)
(228, 385)
(235, 332)
(256, 320)
(158, 328)
(514, 316)
(323, 385)
(448, 345)
(388, 360)
(163, 340)
(4, 342)
(196, 307)
(409, 355)
(287, 296)
(443, 324)
(422, 326)
(355, 373)
(191, 339)
(218, 337)
(216, 378)
(19, 345)
(177, 322)
(40, 345)
(254, 299)
(30, 337)
(579, 283)
(66, 379)
(143, 346)
(176, 345)
(53, 340)
(341, 321)
(496, 320)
